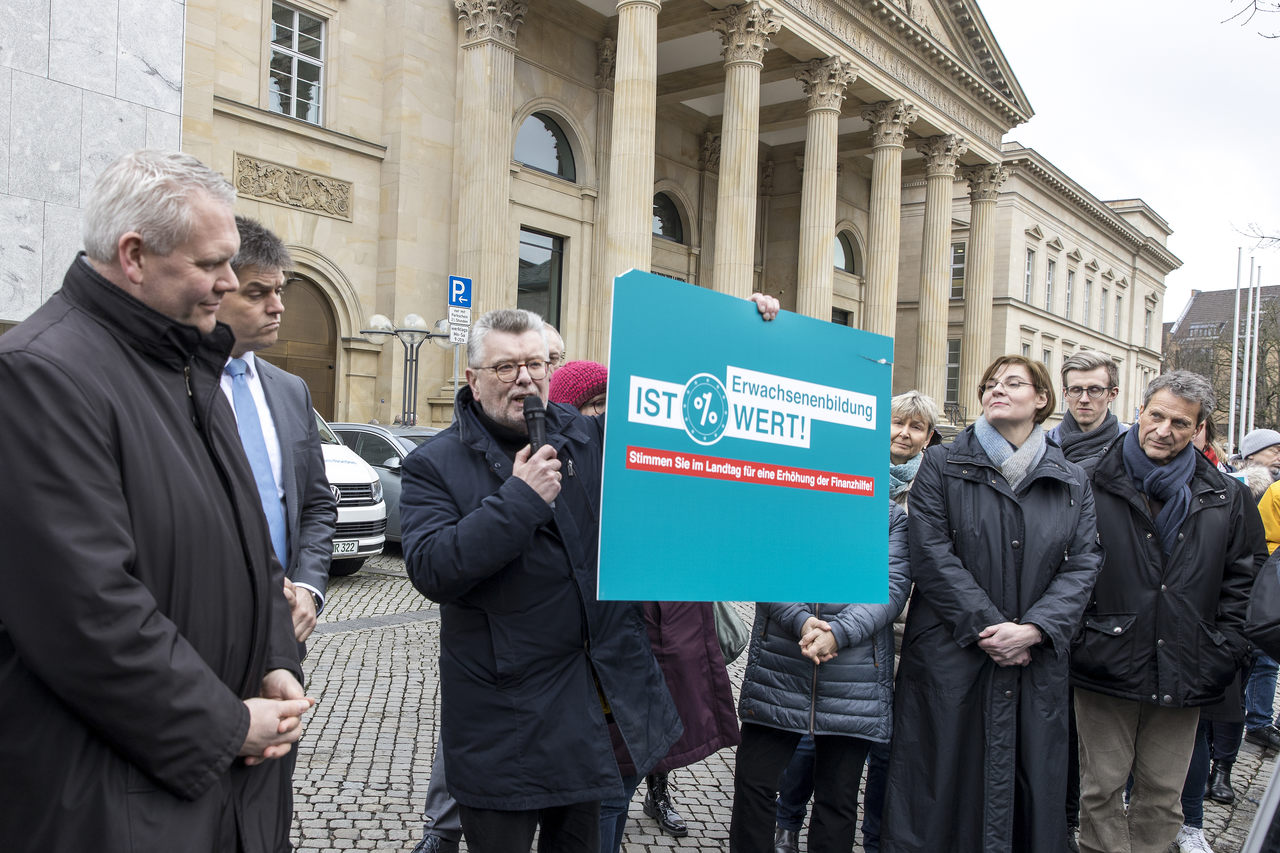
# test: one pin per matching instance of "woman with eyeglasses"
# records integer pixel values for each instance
(1004, 555)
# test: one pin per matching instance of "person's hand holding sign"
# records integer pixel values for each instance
(768, 305)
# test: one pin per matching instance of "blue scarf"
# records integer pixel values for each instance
(1170, 484)
(900, 476)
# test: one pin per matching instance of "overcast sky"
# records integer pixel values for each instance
(1158, 100)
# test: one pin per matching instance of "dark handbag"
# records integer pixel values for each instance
(731, 631)
(1262, 620)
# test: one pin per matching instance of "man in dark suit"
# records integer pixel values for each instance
(302, 498)
(278, 431)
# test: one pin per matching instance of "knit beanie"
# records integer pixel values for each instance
(1258, 439)
(577, 382)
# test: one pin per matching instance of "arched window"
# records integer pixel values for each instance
(847, 257)
(543, 145)
(666, 219)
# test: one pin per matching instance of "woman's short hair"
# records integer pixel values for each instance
(1040, 378)
(148, 192)
(914, 404)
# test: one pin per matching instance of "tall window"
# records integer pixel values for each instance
(1116, 325)
(953, 370)
(1088, 302)
(1102, 311)
(1047, 359)
(541, 272)
(542, 144)
(1146, 328)
(1026, 284)
(297, 63)
(1026, 349)
(957, 270)
(666, 219)
(1071, 287)
(1050, 270)
(839, 316)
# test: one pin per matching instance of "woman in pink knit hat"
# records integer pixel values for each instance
(580, 384)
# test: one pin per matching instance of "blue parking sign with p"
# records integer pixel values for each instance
(459, 292)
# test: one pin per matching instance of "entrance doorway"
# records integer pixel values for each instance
(308, 343)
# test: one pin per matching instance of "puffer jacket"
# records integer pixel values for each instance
(851, 694)
(1168, 629)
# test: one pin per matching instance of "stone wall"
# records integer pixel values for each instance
(80, 84)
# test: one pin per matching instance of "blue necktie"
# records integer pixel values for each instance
(255, 447)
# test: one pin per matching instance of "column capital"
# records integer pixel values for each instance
(491, 20)
(824, 81)
(606, 58)
(889, 121)
(940, 154)
(745, 30)
(985, 181)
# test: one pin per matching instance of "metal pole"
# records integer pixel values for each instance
(1235, 353)
(1248, 336)
(1257, 335)
(413, 381)
(404, 383)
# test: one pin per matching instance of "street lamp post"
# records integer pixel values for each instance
(412, 335)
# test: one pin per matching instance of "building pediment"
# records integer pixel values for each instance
(1074, 255)
(1054, 244)
(1035, 233)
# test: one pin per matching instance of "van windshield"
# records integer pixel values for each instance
(326, 434)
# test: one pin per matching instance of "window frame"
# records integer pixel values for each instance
(560, 136)
(1050, 271)
(295, 56)
(951, 394)
(962, 248)
(1028, 276)
(555, 289)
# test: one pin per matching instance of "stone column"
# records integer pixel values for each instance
(629, 206)
(940, 153)
(488, 78)
(975, 346)
(889, 123)
(745, 30)
(824, 82)
(597, 297)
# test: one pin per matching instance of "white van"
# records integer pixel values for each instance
(362, 514)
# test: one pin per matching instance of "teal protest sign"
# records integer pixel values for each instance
(744, 460)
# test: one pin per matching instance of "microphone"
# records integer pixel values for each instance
(535, 417)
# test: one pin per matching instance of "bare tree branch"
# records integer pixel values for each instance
(1249, 9)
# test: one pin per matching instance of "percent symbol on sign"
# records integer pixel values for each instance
(701, 403)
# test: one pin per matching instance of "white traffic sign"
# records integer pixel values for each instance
(459, 316)
(458, 333)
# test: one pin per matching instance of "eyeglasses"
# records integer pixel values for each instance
(508, 371)
(1095, 392)
(1010, 385)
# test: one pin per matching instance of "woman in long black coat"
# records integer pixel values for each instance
(1003, 554)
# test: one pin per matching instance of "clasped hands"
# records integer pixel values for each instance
(817, 642)
(1009, 643)
(275, 717)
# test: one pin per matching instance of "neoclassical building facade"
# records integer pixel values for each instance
(831, 153)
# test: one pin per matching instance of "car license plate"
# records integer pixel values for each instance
(348, 546)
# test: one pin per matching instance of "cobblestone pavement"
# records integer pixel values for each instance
(364, 762)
